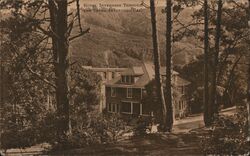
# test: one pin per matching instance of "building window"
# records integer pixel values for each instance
(182, 89)
(113, 92)
(113, 108)
(132, 79)
(140, 109)
(105, 75)
(129, 92)
(117, 108)
(127, 79)
(109, 107)
(136, 108)
(182, 105)
(113, 75)
(123, 79)
(126, 107)
(176, 105)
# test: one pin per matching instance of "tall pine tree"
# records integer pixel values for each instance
(159, 88)
(207, 107)
(169, 118)
(214, 102)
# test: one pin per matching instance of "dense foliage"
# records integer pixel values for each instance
(93, 130)
(25, 59)
(228, 135)
(30, 117)
(232, 67)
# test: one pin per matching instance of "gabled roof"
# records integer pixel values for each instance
(140, 72)
(145, 74)
(181, 82)
(134, 71)
(163, 71)
(150, 69)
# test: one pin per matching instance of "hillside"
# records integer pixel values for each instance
(124, 38)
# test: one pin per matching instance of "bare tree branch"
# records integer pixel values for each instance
(78, 15)
(71, 2)
(71, 25)
(40, 76)
(38, 8)
(31, 71)
(80, 34)
(46, 32)
(145, 5)
(187, 25)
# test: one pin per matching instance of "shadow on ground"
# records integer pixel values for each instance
(154, 144)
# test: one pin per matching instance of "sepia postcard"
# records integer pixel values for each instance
(124, 77)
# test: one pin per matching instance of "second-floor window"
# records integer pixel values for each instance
(182, 105)
(105, 75)
(182, 89)
(129, 92)
(123, 79)
(113, 92)
(127, 79)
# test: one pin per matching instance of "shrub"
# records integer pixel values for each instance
(23, 134)
(227, 136)
(142, 125)
(17, 138)
(96, 129)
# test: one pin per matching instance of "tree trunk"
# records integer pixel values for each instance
(214, 103)
(63, 66)
(231, 75)
(248, 88)
(159, 88)
(169, 119)
(1, 83)
(61, 57)
(207, 108)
